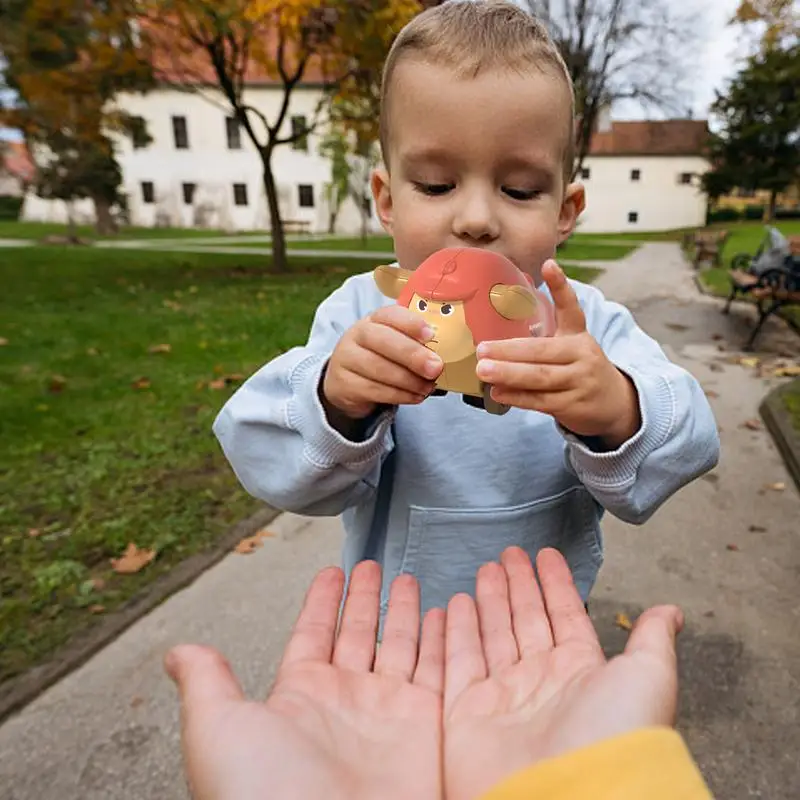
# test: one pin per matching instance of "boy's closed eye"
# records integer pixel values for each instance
(438, 189)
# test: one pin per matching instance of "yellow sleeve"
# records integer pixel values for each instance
(653, 763)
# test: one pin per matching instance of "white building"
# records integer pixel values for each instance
(201, 170)
(645, 176)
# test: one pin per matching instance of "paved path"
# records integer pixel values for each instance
(110, 729)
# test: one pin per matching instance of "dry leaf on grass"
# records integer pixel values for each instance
(98, 584)
(217, 385)
(220, 383)
(160, 348)
(97, 609)
(3, 341)
(133, 560)
(173, 305)
(752, 424)
(623, 621)
(34, 533)
(57, 384)
(141, 383)
(92, 351)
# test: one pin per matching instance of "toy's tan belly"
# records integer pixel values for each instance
(459, 376)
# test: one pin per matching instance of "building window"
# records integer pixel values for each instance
(633, 216)
(240, 194)
(306, 192)
(636, 174)
(148, 192)
(139, 133)
(234, 132)
(299, 133)
(686, 178)
(586, 173)
(188, 193)
(181, 133)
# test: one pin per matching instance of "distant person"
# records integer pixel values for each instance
(509, 699)
(477, 137)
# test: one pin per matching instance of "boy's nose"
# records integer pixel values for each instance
(475, 220)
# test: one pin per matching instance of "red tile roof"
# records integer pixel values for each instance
(674, 137)
(17, 161)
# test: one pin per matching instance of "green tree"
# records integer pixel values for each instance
(758, 144)
(335, 148)
(65, 63)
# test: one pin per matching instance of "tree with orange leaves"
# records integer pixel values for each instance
(65, 62)
(236, 41)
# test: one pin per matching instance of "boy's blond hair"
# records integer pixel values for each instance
(470, 36)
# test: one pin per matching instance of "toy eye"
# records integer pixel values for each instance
(446, 310)
(422, 305)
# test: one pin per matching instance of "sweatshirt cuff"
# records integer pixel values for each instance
(630, 765)
(657, 407)
(325, 447)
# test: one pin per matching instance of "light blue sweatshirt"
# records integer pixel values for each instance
(438, 489)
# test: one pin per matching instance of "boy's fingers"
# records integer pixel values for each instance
(544, 378)
(398, 346)
(530, 350)
(569, 315)
(402, 319)
(378, 369)
(380, 394)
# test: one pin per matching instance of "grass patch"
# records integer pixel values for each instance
(791, 399)
(583, 250)
(38, 230)
(373, 244)
(105, 442)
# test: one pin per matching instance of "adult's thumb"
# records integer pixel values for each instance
(203, 677)
(654, 633)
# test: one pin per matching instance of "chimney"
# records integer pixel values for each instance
(604, 119)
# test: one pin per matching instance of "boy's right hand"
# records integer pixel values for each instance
(381, 360)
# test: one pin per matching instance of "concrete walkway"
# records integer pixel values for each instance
(110, 730)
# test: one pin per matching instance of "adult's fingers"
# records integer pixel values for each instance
(203, 678)
(355, 645)
(315, 629)
(464, 659)
(654, 633)
(430, 664)
(400, 644)
(494, 614)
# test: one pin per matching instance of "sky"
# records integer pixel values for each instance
(716, 60)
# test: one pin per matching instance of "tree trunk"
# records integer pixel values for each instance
(279, 260)
(364, 222)
(773, 202)
(104, 221)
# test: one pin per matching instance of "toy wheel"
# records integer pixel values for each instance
(491, 405)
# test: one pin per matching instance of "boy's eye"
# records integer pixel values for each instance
(422, 305)
(446, 310)
(521, 194)
(433, 189)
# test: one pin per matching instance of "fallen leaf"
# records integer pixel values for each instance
(792, 371)
(677, 327)
(141, 383)
(57, 384)
(132, 560)
(173, 305)
(98, 584)
(34, 532)
(709, 614)
(248, 545)
(136, 701)
(217, 385)
(92, 351)
(749, 361)
(711, 394)
(717, 337)
(3, 341)
(265, 534)
(775, 487)
(757, 529)
(714, 367)
(160, 348)
(752, 424)
(97, 609)
(218, 369)
(623, 621)
(734, 548)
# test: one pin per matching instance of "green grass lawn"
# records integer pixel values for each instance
(38, 230)
(106, 442)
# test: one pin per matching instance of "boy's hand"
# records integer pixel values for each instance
(567, 376)
(381, 360)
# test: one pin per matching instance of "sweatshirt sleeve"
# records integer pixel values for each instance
(678, 439)
(629, 767)
(276, 436)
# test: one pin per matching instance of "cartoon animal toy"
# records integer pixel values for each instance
(469, 295)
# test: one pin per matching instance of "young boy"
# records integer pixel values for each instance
(477, 122)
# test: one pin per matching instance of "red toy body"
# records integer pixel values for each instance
(469, 295)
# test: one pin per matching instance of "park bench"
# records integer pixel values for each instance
(772, 289)
(296, 225)
(707, 246)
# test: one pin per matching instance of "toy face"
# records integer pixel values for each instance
(453, 340)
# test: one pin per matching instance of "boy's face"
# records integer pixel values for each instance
(476, 163)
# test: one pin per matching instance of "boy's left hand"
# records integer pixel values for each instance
(567, 375)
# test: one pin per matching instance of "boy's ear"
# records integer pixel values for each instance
(572, 207)
(382, 195)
